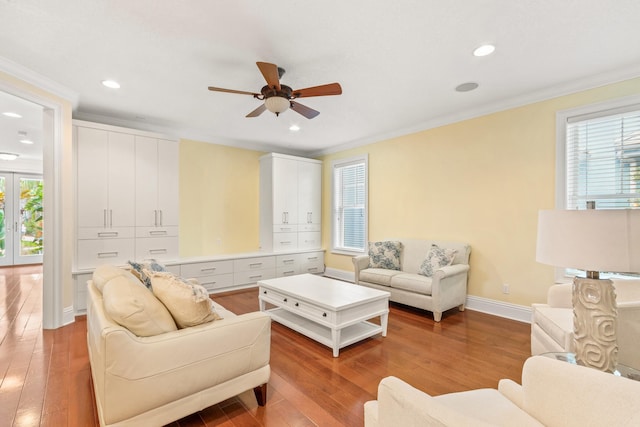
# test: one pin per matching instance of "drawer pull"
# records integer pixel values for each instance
(255, 264)
(312, 269)
(285, 300)
(297, 304)
(288, 272)
(158, 233)
(324, 314)
(256, 277)
(208, 269)
(107, 254)
(157, 251)
(288, 242)
(108, 234)
(264, 292)
(312, 258)
(288, 260)
(209, 283)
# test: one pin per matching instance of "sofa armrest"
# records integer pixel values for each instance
(560, 296)
(451, 270)
(360, 262)
(512, 391)
(400, 404)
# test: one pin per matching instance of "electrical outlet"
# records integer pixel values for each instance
(505, 288)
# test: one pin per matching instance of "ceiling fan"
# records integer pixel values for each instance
(278, 97)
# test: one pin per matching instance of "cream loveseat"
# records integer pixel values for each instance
(154, 380)
(552, 394)
(445, 289)
(552, 323)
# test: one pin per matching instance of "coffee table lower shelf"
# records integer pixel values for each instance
(324, 335)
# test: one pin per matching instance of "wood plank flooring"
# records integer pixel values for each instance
(45, 375)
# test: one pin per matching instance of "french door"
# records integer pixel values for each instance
(21, 219)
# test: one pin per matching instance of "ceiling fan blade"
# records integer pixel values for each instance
(322, 90)
(241, 92)
(255, 113)
(309, 113)
(270, 73)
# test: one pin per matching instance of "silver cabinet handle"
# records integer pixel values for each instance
(161, 218)
(110, 217)
(157, 251)
(104, 218)
(158, 232)
(107, 254)
(255, 264)
(259, 276)
(155, 218)
(208, 269)
(108, 234)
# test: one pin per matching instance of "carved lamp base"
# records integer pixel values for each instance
(594, 323)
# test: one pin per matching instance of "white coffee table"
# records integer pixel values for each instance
(332, 312)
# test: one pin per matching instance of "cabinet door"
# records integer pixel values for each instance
(121, 176)
(309, 192)
(146, 181)
(168, 199)
(92, 151)
(285, 191)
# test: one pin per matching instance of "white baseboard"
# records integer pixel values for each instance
(507, 310)
(68, 315)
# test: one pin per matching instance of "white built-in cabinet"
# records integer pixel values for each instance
(127, 195)
(290, 203)
(156, 170)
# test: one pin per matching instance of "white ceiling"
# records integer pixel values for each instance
(398, 61)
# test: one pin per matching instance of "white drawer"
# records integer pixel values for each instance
(156, 231)
(289, 260)
(92, 253)
(311, 311)
(157, 248)
(287, 271)
(257, 263)
(105, 233)
(309, 240)
(285, 241)
(219, 281)
(312, 268)
(244, 277)
(309, 227)
(174, 269)
(285, 228)
(210, 268)
(312, 257)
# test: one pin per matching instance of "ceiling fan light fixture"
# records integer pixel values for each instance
(277, 104)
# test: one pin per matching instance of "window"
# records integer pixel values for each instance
(598, 157)
(349, 205)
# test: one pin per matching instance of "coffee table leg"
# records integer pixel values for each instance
(384, 321)
(335, 338)
(261, 304)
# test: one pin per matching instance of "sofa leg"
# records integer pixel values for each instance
(461, 307)
(261, 394)
(437, 316)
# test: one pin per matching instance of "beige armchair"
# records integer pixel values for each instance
(552, 323)
(553, 393)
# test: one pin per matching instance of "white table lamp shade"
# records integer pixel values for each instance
(592, 240)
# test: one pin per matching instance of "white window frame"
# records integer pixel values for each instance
(336, 244)
(605, 108)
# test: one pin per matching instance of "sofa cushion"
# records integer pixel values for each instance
(188, 303)
(556, 322)
(379, 276)
(103, 273)
(138, 270)
(130, 304)
(436, 257)
(412, 282)
(385, 255)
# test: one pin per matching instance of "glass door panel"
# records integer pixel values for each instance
(29, 219)
(6, 219)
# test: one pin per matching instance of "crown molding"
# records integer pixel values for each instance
(38, 80)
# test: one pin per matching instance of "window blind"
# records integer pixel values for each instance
(603, 161)
(350, 205)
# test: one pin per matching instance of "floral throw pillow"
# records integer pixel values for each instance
(385, 255)
(436, 258)
(137, 268)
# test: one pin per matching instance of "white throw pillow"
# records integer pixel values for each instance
(188, 303)
(130, 304)
(103, 273)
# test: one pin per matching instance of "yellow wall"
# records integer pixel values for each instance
(480, 181)
(218, 199)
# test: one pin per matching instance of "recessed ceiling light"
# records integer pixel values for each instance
(466, 87)
(8, 156)
(12, 115)
(484, 50)
(294, 128)
(111, 84)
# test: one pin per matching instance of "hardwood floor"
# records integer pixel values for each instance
(45, 375)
